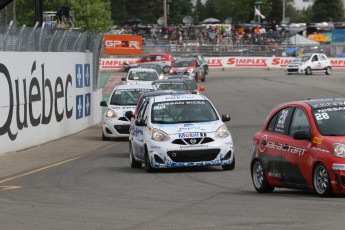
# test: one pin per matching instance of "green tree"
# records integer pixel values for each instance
(199, 12)
(326, 10)
(178, 9)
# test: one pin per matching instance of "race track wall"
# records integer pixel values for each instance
(45, 96)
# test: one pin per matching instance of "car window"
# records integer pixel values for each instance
(315, 58)
(186, 63)
(126, 96)
(142, 109)
(299, 122)
(272, 123)
(283, 120)
(323, 57)
(143, 76)
(330, 121)
(161, 58)
(191, 84)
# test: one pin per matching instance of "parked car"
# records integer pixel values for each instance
(170, 84)
(180, 131)
(122, 99)
(309, 63)
(188, 66)
(140, 76)
(201, 59)
(301, 146)
(193, 86)
(164, 60)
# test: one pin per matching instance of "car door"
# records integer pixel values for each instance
(295, 153)
(315, 62)
(138, 132)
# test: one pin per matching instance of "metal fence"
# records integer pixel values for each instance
(40, 39)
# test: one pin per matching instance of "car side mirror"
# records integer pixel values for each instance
(202, 88)
(140, 122)
(301, 135)
(123, 79)
(129, 115)
(103, 103)
(226, 117)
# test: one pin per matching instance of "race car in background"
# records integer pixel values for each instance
(164, 60)
(309, 63)
(188, 66)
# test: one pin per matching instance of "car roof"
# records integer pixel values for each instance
(136, 86)
(163, 92)
(142, 70)
(181, 97)
(325, 103)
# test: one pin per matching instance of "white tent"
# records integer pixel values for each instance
(300, 40)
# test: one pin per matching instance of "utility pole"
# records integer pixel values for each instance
(165, 13)
(283, 11)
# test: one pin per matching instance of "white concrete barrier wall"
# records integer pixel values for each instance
(226, 62)
(45, 96)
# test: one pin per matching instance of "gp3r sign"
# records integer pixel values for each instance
(122, 44)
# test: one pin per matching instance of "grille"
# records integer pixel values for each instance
(292, 70)
(189, 141)
(123, 119)
(193, 155)
(122, 129)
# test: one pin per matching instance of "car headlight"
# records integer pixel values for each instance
(110, 114)
(222, 132)
(159, 135)
(161, 76)
(190, 70)
(338, 150)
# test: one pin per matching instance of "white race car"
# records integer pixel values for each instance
(123, 98)
(309, 63)
(180, 131)
(140, 76)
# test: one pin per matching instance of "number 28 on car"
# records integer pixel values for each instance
(302, 146)
(180, 131)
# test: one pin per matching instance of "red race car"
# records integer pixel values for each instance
(164, 60)
(301, 146)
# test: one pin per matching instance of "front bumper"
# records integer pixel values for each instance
(338, 177)
(116, 128)
(170, 155)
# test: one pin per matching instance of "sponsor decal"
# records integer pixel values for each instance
(214, 63)
(321, 150)
(193, 146)
(189, 135)
(286, 148)
(337, 63)
(155, 147)
(282, 62)
(247, 61)
(328, 104)
(262, 148)
(275, 174)
(338, 167)
(317, 140)
(122, 44)
(115, 63)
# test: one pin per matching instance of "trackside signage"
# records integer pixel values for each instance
(228, 62)
(44, 96)
(122, 44)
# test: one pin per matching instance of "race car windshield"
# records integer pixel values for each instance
(188, 63)
(191, 84)
(330, 121)
(126, 96)
(171, 86)
(302, 58)
(143, 76)
(189, 111)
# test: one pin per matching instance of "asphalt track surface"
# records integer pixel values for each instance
(82, 182)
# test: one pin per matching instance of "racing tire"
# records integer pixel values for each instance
(308, 71)
(328, 71)
(148, 166)
(322, 181)
(260, 182)
(104, 138)
(134, 163)
(166, 69)
(229, 166)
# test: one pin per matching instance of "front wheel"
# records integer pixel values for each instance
(308, 71)
(328, 71)
(148, 166)
(229, 166)
(322, 181)
(166, 69)
(260, 182)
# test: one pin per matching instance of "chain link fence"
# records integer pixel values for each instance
(40, 39)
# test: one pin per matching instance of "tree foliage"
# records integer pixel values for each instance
(326, 10)
(89, 15)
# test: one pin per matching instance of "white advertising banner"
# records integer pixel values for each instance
(45, 96)
(226, 62)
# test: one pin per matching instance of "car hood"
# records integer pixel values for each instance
(200, 127)
(295, 62)
(335, 139)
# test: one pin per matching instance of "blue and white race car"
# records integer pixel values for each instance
(180, 131)
(123, 98)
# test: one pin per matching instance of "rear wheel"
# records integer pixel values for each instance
(322, 181)
(328, 71)
(134, 163)
(308, 71)
(260, 182)
(229, 166)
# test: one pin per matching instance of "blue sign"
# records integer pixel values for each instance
(79, 75)
(87, 104)
(87, 75)
(79, 106)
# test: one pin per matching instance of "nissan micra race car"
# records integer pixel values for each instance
(302, 146)
(180, 131)
(309, 63)
(123, 98)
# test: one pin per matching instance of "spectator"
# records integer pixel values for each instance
(284, 32)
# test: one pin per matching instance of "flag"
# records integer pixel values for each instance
(258, 13)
